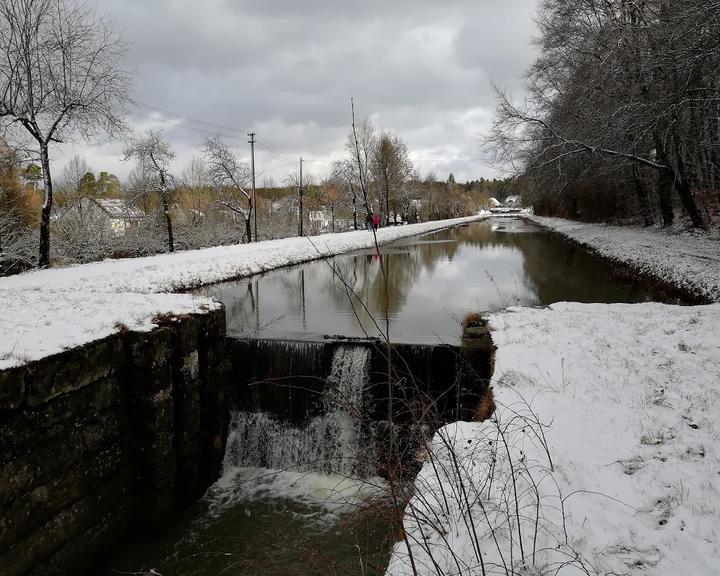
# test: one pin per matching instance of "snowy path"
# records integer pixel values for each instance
(629, 403)
(690, 260)
(47, 311)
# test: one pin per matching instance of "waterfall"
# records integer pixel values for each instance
(331, 442)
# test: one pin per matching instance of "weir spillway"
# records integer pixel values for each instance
(289, 378)
(326, 439)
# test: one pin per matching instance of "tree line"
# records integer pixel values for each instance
(622, 116)
(208, 203)
(376, 176)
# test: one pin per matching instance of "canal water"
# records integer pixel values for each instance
(432, 282)
(293, 499)
(304, 498)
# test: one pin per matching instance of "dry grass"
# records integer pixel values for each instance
(486, 408)
(168, 319)
(472, 319)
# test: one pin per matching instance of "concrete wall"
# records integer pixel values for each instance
(287, 378)
(107, 438)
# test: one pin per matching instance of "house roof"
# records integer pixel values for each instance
(118, 208)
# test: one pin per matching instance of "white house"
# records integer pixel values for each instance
(113, 213)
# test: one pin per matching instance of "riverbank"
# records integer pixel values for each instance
(686, 260)
(49, 311)
(624, 401)
(602, 457)
(608, 453)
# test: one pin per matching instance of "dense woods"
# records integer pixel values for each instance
(621, 121)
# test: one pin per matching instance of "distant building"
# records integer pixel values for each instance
(509, 207)
(318, 218)
(344, 224)
(113, 213)
(287, 204)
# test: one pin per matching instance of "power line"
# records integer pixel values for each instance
(277, 150)
(261, 141)
(186, 127)
(273, 168)
(271, 152)
(209, 133)
(188, 118)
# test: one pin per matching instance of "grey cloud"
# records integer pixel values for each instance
(289, 67)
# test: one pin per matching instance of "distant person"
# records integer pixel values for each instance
(370, 222)
(375, 221)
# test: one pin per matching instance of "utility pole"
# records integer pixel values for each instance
(300, 201)
(252, 169)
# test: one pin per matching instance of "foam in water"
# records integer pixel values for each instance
(326, 462)
(326, 496)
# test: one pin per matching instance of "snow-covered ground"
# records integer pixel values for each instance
(688, 259)
(47, 311)
(602, 457)
(626, 400)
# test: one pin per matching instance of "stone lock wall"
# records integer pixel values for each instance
(107, 438)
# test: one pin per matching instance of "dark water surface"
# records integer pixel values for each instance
(433, 281)
(258, 522)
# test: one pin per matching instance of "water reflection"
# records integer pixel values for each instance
(432, 282)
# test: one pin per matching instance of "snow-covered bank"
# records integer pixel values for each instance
(38, 323)
(688, 260)
(47, 311)
(191, 268)
(628, 404)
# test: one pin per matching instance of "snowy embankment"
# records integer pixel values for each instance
(45, 312)
(604, 447)
(689, 260)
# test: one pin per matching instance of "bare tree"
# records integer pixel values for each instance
(359, 147)
(231, 177)
(620, 90)
(60, 77)
(195, 190)
(73, 175)
(153, 155)
(344, 174)
(391, 166)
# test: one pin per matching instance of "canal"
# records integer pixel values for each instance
(305, 497)
(432, 282)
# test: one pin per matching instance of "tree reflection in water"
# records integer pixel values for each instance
(433, 281)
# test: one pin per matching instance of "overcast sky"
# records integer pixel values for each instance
(287, 68)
